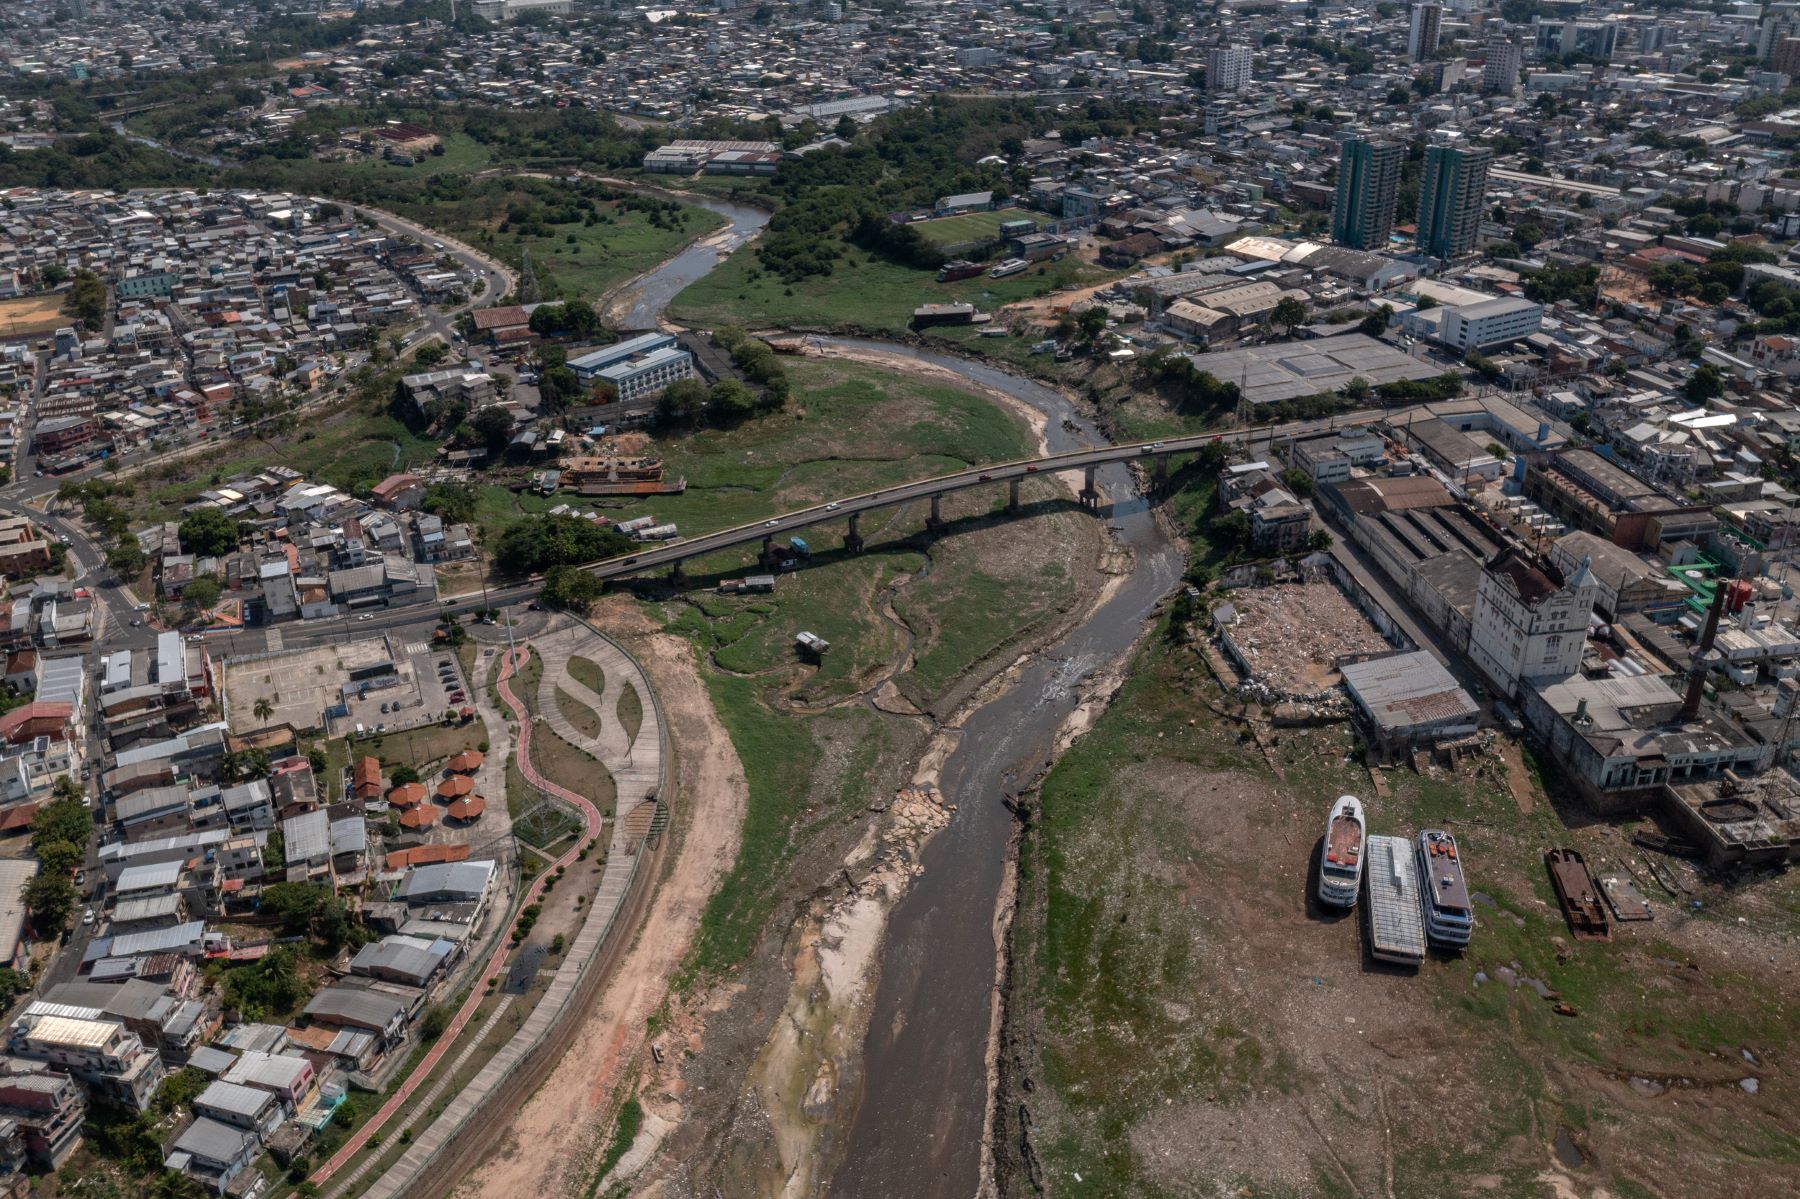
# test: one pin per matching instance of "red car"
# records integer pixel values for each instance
(1031, 470)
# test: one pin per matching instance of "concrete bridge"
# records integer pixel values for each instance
(851, 508)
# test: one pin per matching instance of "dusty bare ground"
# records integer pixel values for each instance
(1239, 1041)
(550, 1144)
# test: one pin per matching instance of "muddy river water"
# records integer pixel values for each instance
(917, 1131)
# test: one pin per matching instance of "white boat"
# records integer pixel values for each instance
(1449, 917)
(1341, 860)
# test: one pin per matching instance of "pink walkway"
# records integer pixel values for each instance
(591, 818)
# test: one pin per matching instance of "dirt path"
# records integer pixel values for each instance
(551, 1143)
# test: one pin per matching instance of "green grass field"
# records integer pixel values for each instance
(863, 293)
(849, 427)
(970, 226)
(603, 256)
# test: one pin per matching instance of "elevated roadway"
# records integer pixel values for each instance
(850, 508)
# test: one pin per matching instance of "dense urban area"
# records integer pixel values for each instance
(832, 598)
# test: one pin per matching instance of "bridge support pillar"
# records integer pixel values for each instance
(935, 521)
(677, 576)
(1090, 496)
(1012, 495)
(853, 535)
(1159, 474)
(765, 557)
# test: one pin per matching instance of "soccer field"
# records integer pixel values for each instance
(971, 226)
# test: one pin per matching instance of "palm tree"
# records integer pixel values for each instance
(263, 708)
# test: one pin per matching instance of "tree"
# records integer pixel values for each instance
(293, 905)
(1290, 312)
(1320, 540)
(1376, 323)
(570, 588)
(51, 897)
(262, 709)
(201, 594)
(86, 299)
(436, 1022)
(126, 559)
(1091, 322)
(209, 533)
(403, 774)
(681, 402)
(494, 426)
(1704, 384)
(61, 857)
(12, 985)
(64, 819)
(730, 401)
(430, 354)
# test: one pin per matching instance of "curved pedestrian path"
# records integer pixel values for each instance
(510, 663)
(637, 776)
(634, 763)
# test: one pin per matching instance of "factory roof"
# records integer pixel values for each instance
(1405, 690)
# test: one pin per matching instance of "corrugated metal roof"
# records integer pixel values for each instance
(307, 836)
(230, 1097)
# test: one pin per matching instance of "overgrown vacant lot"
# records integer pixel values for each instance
(863, 292)
(1190, 1026)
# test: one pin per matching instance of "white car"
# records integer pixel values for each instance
(769, 524)
(365, 616)
(87, 918)
(832, 506)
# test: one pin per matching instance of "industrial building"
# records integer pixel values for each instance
(1408, 701)
(1490, 323)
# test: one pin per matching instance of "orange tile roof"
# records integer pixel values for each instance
(423, 816)
(455, 786)
(469, 808)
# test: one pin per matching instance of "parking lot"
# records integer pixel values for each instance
(377, 684)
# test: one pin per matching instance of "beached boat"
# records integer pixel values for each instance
(1341, 861)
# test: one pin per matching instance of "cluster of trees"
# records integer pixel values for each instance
(453, 502)
(1554, 283)
(575, 318)
(537, 543)
(1192, 389)
(86, 300)
(1711, 282)
(305, 910)
(689, 402)
(208, 532)
(59, 836)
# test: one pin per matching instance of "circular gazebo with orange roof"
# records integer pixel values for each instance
(407, 795)
(469, 807)
(466, 762)
(423, 816)
(454, 787)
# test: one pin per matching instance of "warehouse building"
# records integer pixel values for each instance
(1408, 701)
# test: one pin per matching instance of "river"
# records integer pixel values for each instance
(641, 302)
(918, 1128)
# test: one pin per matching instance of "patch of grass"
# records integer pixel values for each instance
(850, 428)
(864, 292)
(573, 769)
(585, 719)
(421, 746)
(631, 712)
(778, 754)
(624, 1132)
(587, 672)
(970, 226)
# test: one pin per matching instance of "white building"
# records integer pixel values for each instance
(1500, 70)
(1228, 68)
(1489, 323)
(1527, 624)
